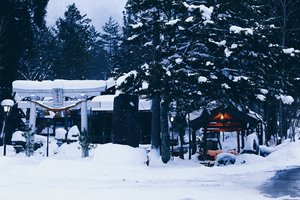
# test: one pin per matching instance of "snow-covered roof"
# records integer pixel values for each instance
(71, 88)
(106, 103)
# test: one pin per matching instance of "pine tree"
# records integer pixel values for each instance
(37, 62)
(111, 38)
(76, 38)
(17, 19)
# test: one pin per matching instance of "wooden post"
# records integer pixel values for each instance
(84, 121)
(238, 141)
(205, 141)
(243, 138)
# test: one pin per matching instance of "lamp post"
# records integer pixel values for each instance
(6, 104)
(172, 132)
(48, 126)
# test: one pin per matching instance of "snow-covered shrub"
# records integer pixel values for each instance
(73, 133)
(224, 159)
(60, 134)
(265, 151)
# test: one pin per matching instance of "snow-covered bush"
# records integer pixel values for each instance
(224, 159)
(73, 133)
(60, 134)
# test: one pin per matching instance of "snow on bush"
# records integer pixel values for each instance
(260, 97)
(206, 11)
(202, 79)
(18, 136)
(172, 22)
(224, 159)
(237, 29)
(134, 26)
(132, 37)
(73, 133)
(190, 19)
(60, 133)
(286, 99)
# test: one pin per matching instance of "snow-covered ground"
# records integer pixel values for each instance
(119, 172)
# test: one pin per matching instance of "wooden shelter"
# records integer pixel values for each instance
(228, 119)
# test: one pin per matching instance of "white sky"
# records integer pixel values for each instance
(97, 10)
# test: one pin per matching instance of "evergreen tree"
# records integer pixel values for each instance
(193, 53)
(37, 62)
(111, 38)
(16, 35)
(76, 38)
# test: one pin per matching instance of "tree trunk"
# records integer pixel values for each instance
(155, 122)
(165, 136)
(131, 116)
(119, 119)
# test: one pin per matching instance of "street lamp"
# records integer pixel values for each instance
(172, 132)
(7, 104)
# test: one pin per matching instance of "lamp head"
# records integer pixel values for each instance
(7, 104)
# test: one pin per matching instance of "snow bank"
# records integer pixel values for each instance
(119, 155)
(286, 154)
(248, 159)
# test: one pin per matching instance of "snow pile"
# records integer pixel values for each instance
(119, 155)
(118, 169)
(251, 143)
(60, 133)
(18, 136)
(73, 133)
(248, 159)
